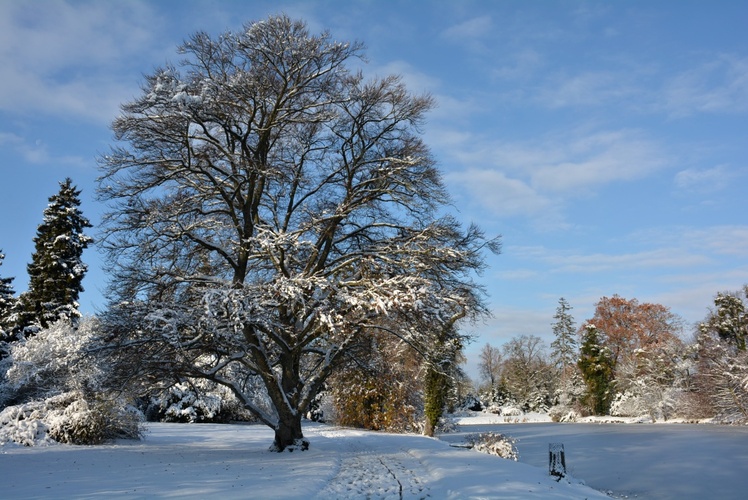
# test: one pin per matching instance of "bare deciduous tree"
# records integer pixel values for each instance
(490, 364)
(269, 207)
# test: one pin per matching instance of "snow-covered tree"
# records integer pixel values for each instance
(629, 326)
(728, 320)
(56, 270)
(490, 365)
(271, 208)
(527, 374)
(564, 352)
(722, 359)
(596, 365)
(7, 304)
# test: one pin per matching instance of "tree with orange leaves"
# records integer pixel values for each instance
(630, 326)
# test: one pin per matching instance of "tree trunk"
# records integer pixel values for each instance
(288, 435)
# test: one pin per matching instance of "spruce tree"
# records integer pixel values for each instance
(56, 270)
(7, 303)
(564, 347)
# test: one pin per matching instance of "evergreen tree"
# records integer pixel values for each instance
(564, 348)
(7, 297)
(596, 365)
(7, 303)
(728, 320)
(56, 270)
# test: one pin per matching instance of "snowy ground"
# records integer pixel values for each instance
(232, 461)
(640, 460)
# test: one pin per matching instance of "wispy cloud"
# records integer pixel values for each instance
(537, 178)
(723, 239)
(589, 88)
(476, 27)
(500, 194)
(598, 159)
(61, 58)
(38, 152)
(659, 258)
(716, 86)
(704, 180)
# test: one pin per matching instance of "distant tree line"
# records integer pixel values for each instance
(630, 359)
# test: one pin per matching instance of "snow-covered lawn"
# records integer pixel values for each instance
(633, 460)
(232, 461)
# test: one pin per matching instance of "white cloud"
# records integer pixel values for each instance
(537, 179)
(63, 58)
(38, 152)
(705, 179)
(415, 81)
(472, 28)
(717, 86)
(659, 258)
(598, 159)
(591, 88)
(521, 64)
(724, 240)
(501, 195)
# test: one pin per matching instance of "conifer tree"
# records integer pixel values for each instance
(7, 302)
(564, 347)
(56, 269)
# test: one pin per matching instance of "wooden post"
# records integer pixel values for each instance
(556, 460)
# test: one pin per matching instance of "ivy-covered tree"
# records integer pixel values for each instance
(596, 365)
(564, 352)
(56, 270)
(442, 377)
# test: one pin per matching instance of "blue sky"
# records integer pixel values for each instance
(607, 142)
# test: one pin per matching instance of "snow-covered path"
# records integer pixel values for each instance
(233, 461)
(365, 470)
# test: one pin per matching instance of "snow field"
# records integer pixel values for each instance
(233, 461)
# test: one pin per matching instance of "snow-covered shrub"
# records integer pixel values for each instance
(510, 411)
(52, 362)
(23, 425)
(563, 413)
(78, 420)
(472, 403)
(71, 419)
(55, 389)
(196, 401)
(628, 404)
(494, 443)
(446, 425)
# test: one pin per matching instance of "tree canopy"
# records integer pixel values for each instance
(270, 208)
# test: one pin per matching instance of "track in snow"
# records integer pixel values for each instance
(365, 473)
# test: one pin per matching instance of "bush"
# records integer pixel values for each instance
(198, 401)
(562, 413)
(494, 443)
(71, 419)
